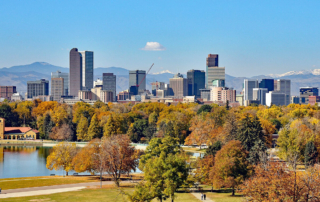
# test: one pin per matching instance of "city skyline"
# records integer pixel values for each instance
(265, 37)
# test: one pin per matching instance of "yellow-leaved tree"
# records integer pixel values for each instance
(61, 157)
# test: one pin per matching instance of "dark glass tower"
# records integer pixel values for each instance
(75, 72)
(267, 83)
(196, 81)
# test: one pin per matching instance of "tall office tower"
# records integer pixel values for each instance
(57, 88)
(179, 86)
(87, 69)
(260, 95)
(275, 98)
(249, 85)
(37, 88)
(7, 91)
(65, 77)
(305, 92)
(157, 86)
(267, 83)
(135, 77)
(75, 72)
(284, 86)
(213, 71)
(110, 83)
(196, 81)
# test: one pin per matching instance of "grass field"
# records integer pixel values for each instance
(16, 183)
(107, 193)
(224, 197)
(193, 149)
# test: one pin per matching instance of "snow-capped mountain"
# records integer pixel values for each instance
(302, 72)
(164, 71)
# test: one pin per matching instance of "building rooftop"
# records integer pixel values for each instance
(18, 130)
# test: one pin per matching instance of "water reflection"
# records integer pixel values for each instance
(24, 161)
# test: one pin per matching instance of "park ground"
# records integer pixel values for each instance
(94, 193)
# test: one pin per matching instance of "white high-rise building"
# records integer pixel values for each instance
(275, 98)
(260, 94)
(87, 69)
(249, 85)
(284, 86)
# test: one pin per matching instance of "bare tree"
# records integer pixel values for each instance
(61, 133)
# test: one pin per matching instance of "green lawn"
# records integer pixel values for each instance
(16, 183)
(108, 193)
(224, 197)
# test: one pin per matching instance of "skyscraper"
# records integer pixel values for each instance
(75, 72)
(179, 86)
(214, 72)
(267, 83)
(65, 77)
(196, 81)
(87, 69)
(135, 78)
(57, 88)
(249, 85)
(284, 86)
(110, 83)
(260, 95)
(37, 88)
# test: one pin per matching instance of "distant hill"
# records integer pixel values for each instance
(19, 75)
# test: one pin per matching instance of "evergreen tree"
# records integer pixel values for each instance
(47, 126)
(82, 128)
(204, 108)
(94, 130)
(213, 149)
(249, 132)
(310, 154)
(256, 151)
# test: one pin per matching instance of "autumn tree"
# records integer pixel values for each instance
(45, 126)
(63, 132)
(61, 157)
(137, 130)
(114, 126)
(82, 129)
(214, 148)
(274, 182)
(119, 156)
(231, 167)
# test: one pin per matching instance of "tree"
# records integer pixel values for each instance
(311, 154)
(250, 134)
(274, 182)
(257, 152)
(230, 128)
(138, 130)
(63, 132)
(113, 126)
(61, 157)
(213, 149)
(204, 108)
(165, 168)
(82, 129)
(94, 130)
(10, 116)
(120, 157)
(46, 127)
(203, 169)
(231, 166)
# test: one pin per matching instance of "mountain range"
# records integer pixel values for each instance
(19, 75)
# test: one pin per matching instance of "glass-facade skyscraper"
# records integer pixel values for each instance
(135, 78)
(267, 83)
(213, 71)
(87, 69)
(196, 81)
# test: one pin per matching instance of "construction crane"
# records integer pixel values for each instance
(145, 76)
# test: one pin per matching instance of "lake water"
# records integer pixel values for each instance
(30, 161)
(25, 161)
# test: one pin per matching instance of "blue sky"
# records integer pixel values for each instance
(251, 37)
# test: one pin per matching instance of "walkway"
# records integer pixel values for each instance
(198, 196)
(33, 191)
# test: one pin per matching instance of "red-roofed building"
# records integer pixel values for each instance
(16, 133)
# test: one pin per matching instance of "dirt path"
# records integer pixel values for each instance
(198, 196)
(33, 191)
